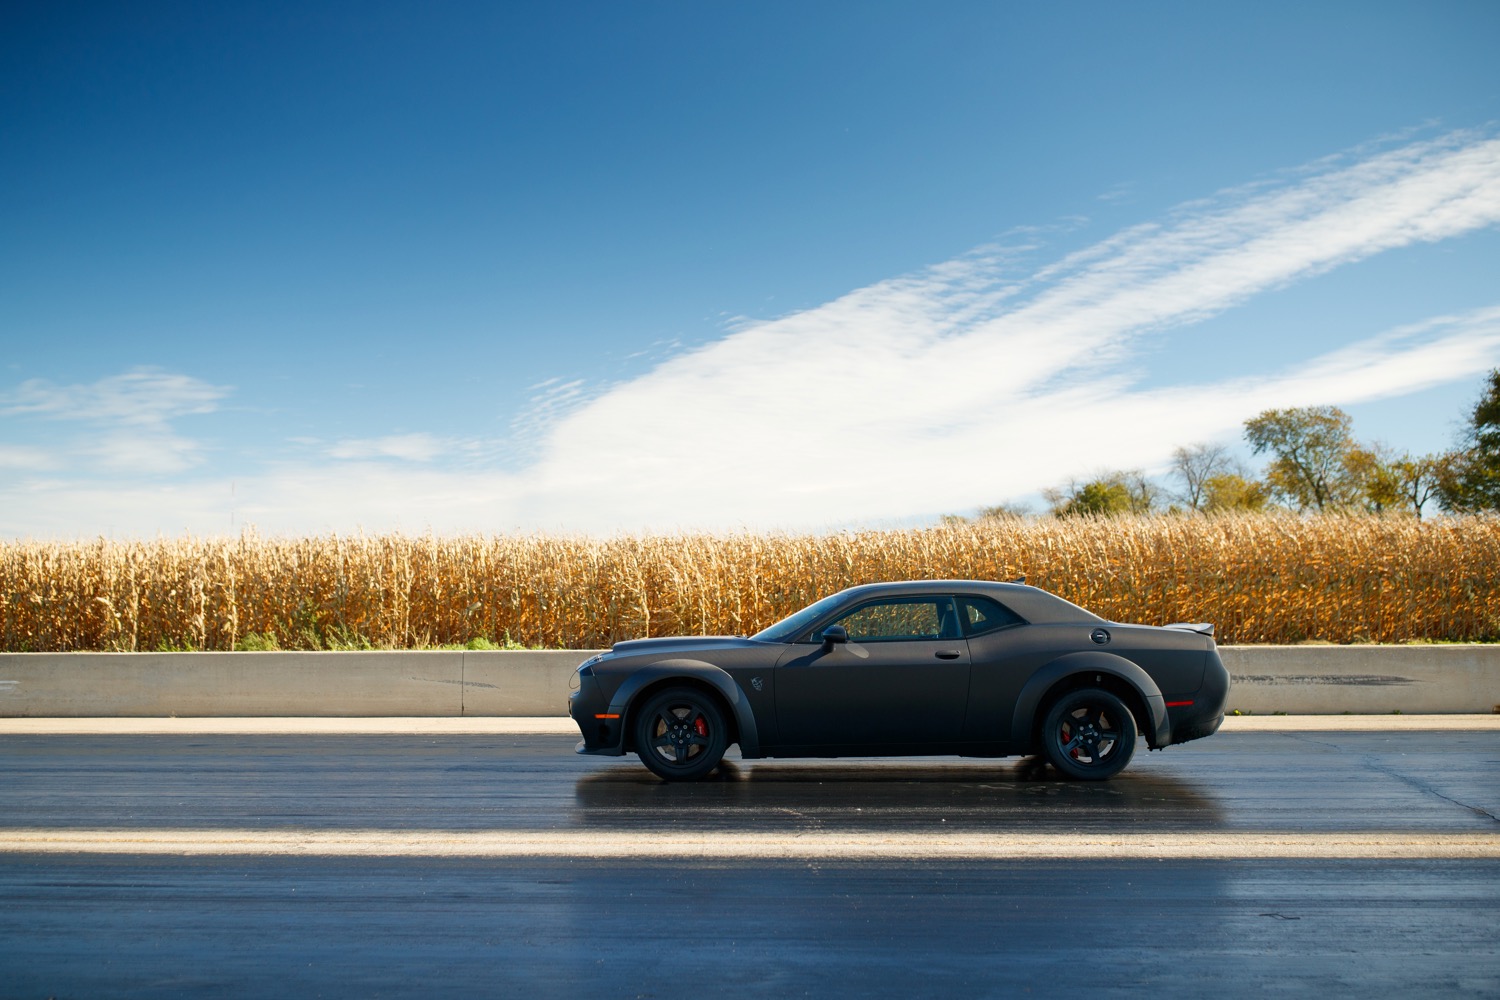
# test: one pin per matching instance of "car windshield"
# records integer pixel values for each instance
(793, 625)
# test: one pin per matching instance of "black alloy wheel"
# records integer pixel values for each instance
(680, 734)
(1088, 734)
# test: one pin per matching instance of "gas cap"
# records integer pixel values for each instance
(1099, 635)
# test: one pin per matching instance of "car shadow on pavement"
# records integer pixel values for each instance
(886, 793)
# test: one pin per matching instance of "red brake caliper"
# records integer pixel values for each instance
(700, 725)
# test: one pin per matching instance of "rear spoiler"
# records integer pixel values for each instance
(1202, 628)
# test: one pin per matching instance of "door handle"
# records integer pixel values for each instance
(948, 654)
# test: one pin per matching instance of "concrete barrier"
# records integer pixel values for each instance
(1312, 680)
(1328, 680)
(520, 683)
(73, 685)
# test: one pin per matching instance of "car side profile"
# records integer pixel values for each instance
(964, 667)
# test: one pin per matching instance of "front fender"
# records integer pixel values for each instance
(697, 670)
(1092, 664)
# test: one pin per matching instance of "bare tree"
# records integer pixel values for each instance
(1422, 478)
(1145, 495)
(1004, 512)
(1195, 465)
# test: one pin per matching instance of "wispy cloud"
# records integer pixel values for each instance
(408, 447)
(130, 417)
(982, 378)
(140, 451)
(965, 382)
(22, 457)
(140, 397)
(549, 402)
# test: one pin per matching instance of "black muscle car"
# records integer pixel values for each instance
(960, 667)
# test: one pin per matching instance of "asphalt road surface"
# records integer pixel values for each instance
(1327, 863)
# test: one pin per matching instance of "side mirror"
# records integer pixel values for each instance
(834, 634)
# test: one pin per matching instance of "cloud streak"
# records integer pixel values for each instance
(964, 384)
(142, 397)
(407, 447)
(130, 415)
(977, 380)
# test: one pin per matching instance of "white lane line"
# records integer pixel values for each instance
(853, 846)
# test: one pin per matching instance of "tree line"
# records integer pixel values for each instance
(1315, 464)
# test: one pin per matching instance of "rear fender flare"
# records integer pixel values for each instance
(1089, 665)
(691, 670)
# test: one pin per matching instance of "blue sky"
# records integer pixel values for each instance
(624, 266)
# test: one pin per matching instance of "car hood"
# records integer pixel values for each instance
(684, 644)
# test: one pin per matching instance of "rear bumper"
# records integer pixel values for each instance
(1197, 730)
(1205, 713)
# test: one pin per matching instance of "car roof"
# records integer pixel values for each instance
(1032, 603)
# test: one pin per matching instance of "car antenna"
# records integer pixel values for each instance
(1019, 579)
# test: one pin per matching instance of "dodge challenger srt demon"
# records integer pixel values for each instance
(971, 668)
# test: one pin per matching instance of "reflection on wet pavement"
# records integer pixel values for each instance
(948, 795)
(1252, 781)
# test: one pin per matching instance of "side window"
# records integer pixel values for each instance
(903, 620)
(980, 614)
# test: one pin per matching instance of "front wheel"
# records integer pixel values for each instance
(1088, 734)
(680, 734)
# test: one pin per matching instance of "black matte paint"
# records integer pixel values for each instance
(977, 696)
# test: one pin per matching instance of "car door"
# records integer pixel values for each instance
(901, 679)
(1005, 651)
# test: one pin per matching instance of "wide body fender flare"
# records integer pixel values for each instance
(1090, 665)
(703, 673)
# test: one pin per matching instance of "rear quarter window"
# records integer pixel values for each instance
(982, 614)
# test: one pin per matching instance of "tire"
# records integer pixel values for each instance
(1088, 735)
(680, 734)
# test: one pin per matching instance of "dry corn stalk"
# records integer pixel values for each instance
(1261, 579)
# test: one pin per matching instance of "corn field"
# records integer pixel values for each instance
(1259, 578)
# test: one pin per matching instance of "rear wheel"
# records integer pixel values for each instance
(1088, 734)
(680, 734)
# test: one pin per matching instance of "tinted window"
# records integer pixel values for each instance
(788, 628)
(905, 619)
(980, 614)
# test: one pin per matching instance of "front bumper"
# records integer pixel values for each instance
(604, 737)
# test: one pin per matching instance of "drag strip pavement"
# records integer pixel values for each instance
(413, 863)
(1288, 794)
